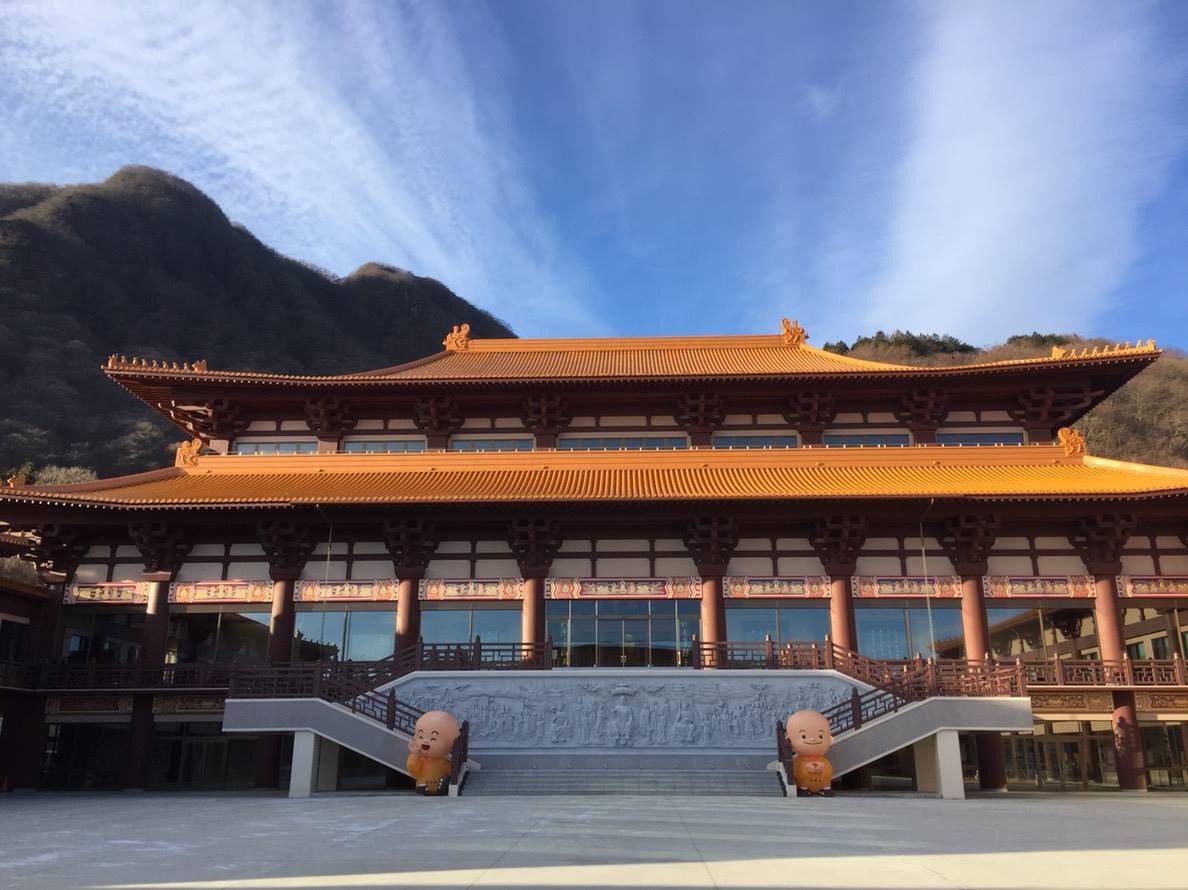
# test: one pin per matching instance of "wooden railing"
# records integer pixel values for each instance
(1091, 672)
(459, 753)
(480, 656)
(116, 677)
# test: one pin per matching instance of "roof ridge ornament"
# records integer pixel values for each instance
(124, 363)
(16, 480)
(458, 338)
(792, 333)
(1072, 442)
(187, 453)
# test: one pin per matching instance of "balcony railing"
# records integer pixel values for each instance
(931, 676)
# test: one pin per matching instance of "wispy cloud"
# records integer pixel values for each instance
(1037, 135)
(339, 133)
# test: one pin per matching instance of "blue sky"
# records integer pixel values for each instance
(979, 169)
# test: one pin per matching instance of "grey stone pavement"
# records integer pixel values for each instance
(195, 841)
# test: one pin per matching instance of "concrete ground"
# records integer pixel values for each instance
(195, 841)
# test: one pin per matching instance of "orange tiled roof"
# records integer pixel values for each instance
(1029, 471)
(623, 358)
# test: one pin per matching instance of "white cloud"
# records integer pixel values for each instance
(1038, 134)
(368, 135)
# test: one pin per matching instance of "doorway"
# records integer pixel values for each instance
(623, 642)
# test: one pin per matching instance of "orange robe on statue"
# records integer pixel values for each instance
(428, 771)
(811, 772)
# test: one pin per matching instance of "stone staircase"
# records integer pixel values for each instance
(631, 782)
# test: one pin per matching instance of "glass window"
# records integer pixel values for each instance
(192, 636)
(275, 448)
(582, 633)
(370, 636)
(1137, 650)
(945, 639)
(1015, 633)
(476, 444)
(882, 633)
(445, 625)
(614, 443)
(839, 440)
(495, 625)
(748, 625)
(1067, 629)
(13, 636)
(319, 635)
(979, 438)
(664, 634)
(758, 440)
(805, 624)
(383, 446)
(1160, 648)
(243, 636)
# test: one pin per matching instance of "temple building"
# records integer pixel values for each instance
(686, 506)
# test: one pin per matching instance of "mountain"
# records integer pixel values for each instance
(146, 264)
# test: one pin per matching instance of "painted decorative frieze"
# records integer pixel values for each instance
(1063, 702)
(745, 587)
(1162, 703)
(220, 592)
(471, 589)
(622, 588)
(1063, 586)
(381, 590)
(107, 592)
(188, 704)
(88, 704)
(1151, 585)
(878, 586)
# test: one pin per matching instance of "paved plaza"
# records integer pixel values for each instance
(196, 841)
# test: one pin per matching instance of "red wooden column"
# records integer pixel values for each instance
(411, 543)
(408, 610)
(163, 551)
(967, 540)
(710, 541)
(287, 546)
(533, 628)
(838, 540)
(534, 542)
(1100, 544)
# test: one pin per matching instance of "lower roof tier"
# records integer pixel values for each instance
(1028, 472)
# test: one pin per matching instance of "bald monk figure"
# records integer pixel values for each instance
(429, 751)
(808, 735)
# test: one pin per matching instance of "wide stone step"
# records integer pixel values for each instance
(738, 783)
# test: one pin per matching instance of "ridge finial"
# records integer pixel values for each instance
(1072, 442)
(458, 338)
(792, 333)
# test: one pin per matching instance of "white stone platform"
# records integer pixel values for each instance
(195, 842)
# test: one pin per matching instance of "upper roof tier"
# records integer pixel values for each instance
(465, 360)
(1022, 472)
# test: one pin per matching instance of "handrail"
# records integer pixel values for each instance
(460, 753)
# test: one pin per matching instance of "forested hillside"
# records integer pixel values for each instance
(145, 264)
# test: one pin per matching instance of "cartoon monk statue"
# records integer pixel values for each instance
(809, 737)
(429, 751)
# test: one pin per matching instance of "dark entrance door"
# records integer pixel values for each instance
(623, 642)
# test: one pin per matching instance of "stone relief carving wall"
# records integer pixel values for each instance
(632, 711)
